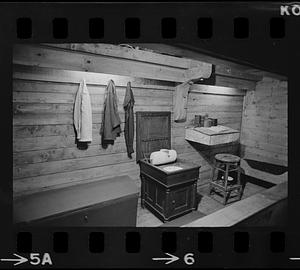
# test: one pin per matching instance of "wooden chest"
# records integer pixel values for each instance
(167, 194)
(212, 135)
(109, 202)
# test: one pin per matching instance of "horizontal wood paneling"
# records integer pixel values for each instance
(217, 90)
(49, 181)
(82, 61)
(70, 76)
(126, 53)
(45, 154)
(30, 84)
(234, 82)
(228, 109)
(264, 134)
(222, 67)
(29, 170)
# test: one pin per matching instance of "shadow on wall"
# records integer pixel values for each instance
(208, 152)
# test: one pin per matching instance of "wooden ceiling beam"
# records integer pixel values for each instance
(135, 63)
(216, 90)
(222, 67)
(125, 53)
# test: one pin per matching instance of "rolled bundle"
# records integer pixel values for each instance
(163, 156)
(214, 121)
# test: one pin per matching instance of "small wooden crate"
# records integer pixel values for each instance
(209, 135)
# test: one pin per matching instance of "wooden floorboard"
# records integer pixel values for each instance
(207, 204)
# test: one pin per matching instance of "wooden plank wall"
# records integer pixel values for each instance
(265, 121)
(45, 155)
(228, 109)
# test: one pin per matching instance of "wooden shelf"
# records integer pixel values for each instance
(211, 135)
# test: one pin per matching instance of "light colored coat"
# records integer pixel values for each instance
(83, 114)
(180, 98)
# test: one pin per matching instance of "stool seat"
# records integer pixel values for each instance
(227, 158)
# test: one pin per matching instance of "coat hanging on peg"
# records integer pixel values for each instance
(129, 119)
(82, 114)
(196, 72)
(110, 126)
(180, 98)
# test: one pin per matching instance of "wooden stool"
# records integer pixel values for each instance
(226, 163)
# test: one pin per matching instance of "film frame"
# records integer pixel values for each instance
(230, 247)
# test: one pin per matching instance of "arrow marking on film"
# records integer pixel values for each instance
(170, 259)
(19, 260)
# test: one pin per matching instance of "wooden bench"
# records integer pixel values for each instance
(109, 202)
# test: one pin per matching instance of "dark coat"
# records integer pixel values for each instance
(110, 127)
(129, 119)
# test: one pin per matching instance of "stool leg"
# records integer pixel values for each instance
(239, 176)
(240, 192)
(212, 178)
(226, 177)
(239, 182)
(225, 197)
(225, 183)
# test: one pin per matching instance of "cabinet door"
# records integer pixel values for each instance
(181, 199)
(150, 192)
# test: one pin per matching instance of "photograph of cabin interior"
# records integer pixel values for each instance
(146, 135)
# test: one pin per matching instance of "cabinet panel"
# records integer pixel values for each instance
(181, 199)
(168, 202)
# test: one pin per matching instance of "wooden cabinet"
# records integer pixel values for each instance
(109, 202)
(167, 194)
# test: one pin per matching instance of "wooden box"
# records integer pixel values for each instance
(167, 194)
(109, 202)
(212, 135)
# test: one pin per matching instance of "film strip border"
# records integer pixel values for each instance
(114, 247)
(132, 242)
(96, 22)
(241, 28)
(117, 247)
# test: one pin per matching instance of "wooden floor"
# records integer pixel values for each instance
(207, 204)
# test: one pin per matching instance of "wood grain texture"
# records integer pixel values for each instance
(25, 72)
(126, 53)
(234, 83)
(69, 60)
(70, 199)
(45, 155)
(217, 90)
(222, 67)
(264, 122)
